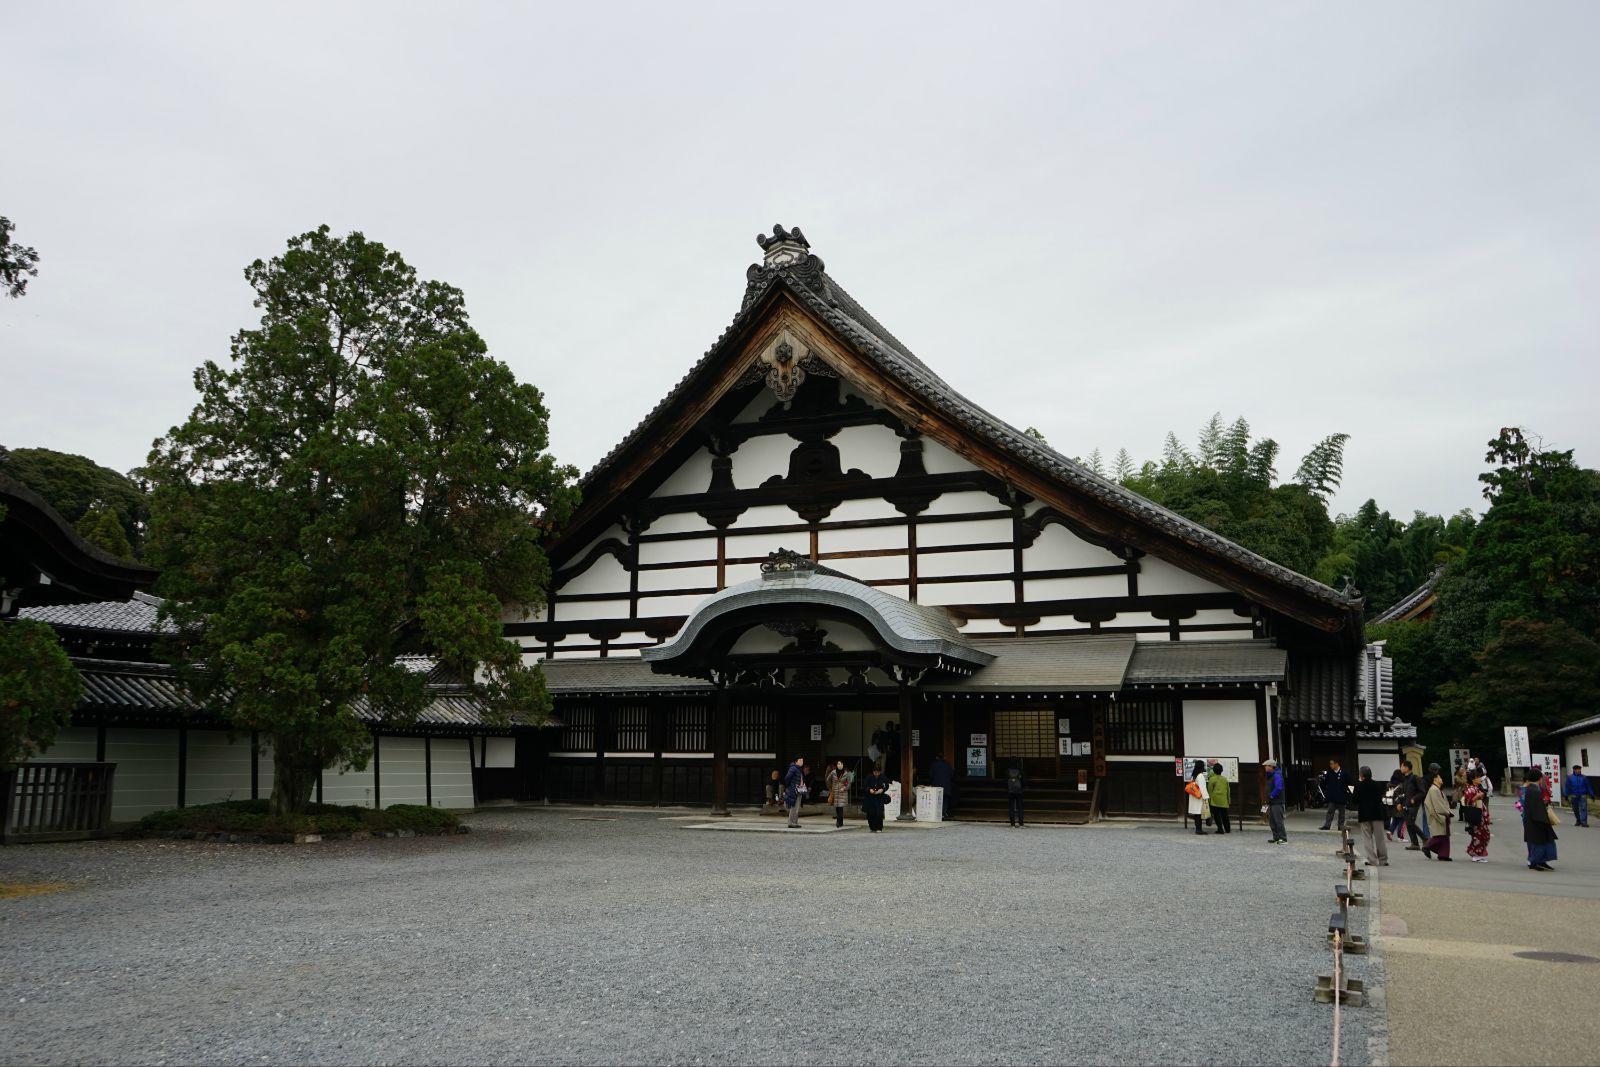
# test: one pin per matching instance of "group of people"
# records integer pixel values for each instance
(1210, 796)
(791, 789)
(1421, 810)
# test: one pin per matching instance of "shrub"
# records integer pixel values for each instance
(255, 817)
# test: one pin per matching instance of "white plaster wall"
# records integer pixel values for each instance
(964, 502)
(678, 578)
(766, 515)
(964, 593)
(862, 540)
(623, 653)
(760, 458)
(452, 774)
(693, 477)
(678, 522)
(1383, 763)
(1100, 585)
(1157, 577)
(666, 605)
(759, 639)
(738, 573)
(937, 459)
(219, 767)
(1059, 622)
(983, 561)
(690, 550)
(348, 787)
(868, 568)
(985, 626)
(1221, 728)
(873, 449)
(147, 771)
(980, 531)
(866, 508)
(1573, 750)
(584, 610)
(1059, 548)
(73, 744)
(901, 591)
(402, 765)
(605, 575)
(763, 545)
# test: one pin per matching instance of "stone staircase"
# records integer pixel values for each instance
(984, 800)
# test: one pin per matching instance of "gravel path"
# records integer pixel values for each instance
(548, 938)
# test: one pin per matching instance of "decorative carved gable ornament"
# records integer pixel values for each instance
(781, 371)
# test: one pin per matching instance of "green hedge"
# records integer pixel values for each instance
(253, 817)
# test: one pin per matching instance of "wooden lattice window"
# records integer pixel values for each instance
(690, 731)
(752, 728)
(631, 726)
(1142, 727)
(1027, 733)
(577, 733)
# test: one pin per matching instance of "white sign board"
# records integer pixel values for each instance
(978, 761)
(1458, 760)
(916, 738)
(979, 741)
(891, 806)
(816, 731)
(1551, 765)
(1063, 727)
(1065, 747)
(1517, 754)
(1230, 767)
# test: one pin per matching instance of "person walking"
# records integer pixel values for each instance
(1414, 792)
(794, 790)
(1579, 791)
(1373, 815)
(1336, 791)
(1273, 808)
(1221, 794)
(1014, 786)
(838, 791)
(874, 795)
(1538, 823)
(1394, 825)
(1475, 816)
(1437, 809)
(1199, 796)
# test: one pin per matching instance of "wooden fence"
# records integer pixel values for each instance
(55, 801)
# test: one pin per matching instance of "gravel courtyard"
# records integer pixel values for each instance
(559, 936)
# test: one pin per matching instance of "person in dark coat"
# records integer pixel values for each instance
(943, 776)
(1537, 829)
(794, 790)
(1014, 784)
(1414, 792)
(874, 795)
(1336, 791)
(1372, 814)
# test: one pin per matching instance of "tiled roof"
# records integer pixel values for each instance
(1320, 691)
(1092, 663)
(1413, 601)
(137, 615)
(1170, 662)
(614, 675)
(115, 686)
(1579, 727)
(815, 289)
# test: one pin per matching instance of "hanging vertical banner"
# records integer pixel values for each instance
(1517, 754)
(1551, 765)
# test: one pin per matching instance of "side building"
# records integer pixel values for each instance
(815, 544)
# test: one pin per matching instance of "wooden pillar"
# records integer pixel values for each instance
(721, 730)
(908, 799)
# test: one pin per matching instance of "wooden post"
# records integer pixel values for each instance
(721, 728)
(908, 799)
(949, 734)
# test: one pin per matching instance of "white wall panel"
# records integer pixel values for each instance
(1100, 585)
(1383, 764)
(452, 774)
(764, 545)
(985, 561)
(73, 744)
(402, 763)
(1221, 728)
(874, 449)
(499, 751)
(693, 477)
(961, 503)
(735, 573)
(1574, 753)
(937, 459)
(964, 593)
(766, 515)
(679, 578)
(1059, 622)
(147, 771)
(690, 550)
(1157, 577)
(585, 610)
(760, 458)
(985, 626)
(605, 575)
(348, 787)
(865, 508)
(867, 568)
(1059, 548)
(759, 639)
(670, 605)
(679, 522)
(626, 653)
(901, 591)
(981, 531)
(861, 540)
(219, 767)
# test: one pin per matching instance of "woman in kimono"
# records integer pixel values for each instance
(1537, 829)
(1475, 813)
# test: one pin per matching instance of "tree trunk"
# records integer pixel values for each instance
(293, 778)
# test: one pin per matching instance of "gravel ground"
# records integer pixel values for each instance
(546, 937)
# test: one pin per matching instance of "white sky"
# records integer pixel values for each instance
(1104, 220)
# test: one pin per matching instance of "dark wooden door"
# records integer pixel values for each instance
(1028, 735)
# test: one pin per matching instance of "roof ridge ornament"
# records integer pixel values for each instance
(786, 563)
(784, 247)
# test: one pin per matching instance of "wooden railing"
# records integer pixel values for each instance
(55, 801)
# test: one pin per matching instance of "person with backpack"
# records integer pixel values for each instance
(1221, 793)
(1014, 785)
(1199, 797)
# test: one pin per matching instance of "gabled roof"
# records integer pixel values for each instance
(807, 283)
(1414, 603)
(137, 615)
(1580, 727)
(1201, 662)
(42, 554)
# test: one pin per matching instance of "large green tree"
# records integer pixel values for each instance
(77, 486)
(1541, 675)
(362, 481)
(39, 687)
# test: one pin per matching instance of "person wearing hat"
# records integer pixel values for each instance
(1274, 805)
(794, 790)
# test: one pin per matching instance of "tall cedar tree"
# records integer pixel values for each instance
(363, 481)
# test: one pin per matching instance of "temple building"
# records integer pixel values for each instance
(816, 545)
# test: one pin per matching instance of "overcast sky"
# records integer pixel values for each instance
(1106, 221)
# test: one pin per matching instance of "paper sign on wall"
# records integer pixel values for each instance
(978, 761)
(979, 741)
(1230, 766)
(816, 731)
(1517, 754)
(1066, 747)
(916, 738)
(1063, 727)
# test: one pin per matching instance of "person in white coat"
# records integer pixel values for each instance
(1199, 797)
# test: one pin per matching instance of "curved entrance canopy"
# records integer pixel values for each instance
(793, 597)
